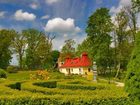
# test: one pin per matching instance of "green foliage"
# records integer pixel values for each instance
(19, 45)
(124, 47)
(56, 75)
(3, 73)
(68, 50)
(6, 37)
(85, 46)
(136, 4)
(99, 39)
(132, 83)
(48, 84)
(39, 75)
(12, 69)
(31, 94)
(17, 86)
(84, 85)
(60, 100)
(55, 55)
(38, 93)
(20, 75)
(38, 52)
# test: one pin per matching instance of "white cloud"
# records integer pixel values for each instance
(2, 14)
(58, 43)
(45, 17)
(60, 25)
(34, 5)
(122, 3)
(52, 1)
(20, 15)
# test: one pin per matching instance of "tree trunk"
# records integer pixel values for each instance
(20, 61)
(118, 70)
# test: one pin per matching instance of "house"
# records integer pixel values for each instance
(81, 65)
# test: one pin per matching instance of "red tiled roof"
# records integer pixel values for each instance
(83, 61)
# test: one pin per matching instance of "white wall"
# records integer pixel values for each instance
(63, 70)
(72, 70)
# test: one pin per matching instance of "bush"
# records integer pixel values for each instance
(48, 84)
(36, 95)
(12, 69)
(61, 100)
(132, 83)
(84, 85)
(40, 75)
(3, 74)
(17, 86)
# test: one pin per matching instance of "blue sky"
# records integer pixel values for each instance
(66, 18)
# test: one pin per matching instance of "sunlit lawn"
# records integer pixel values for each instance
(21, 75)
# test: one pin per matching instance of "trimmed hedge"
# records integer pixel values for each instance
(3, 74)
(76, 86)
(17, 86)
(36, 95)
(61, 100)
(48, 84)
(83, 85)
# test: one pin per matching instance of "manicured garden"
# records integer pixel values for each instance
(22, 88)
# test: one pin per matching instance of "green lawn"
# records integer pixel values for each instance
(21, 75)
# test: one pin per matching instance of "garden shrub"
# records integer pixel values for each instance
(76, 86)
(17, 86)
(132, 83)
(3, 74)
(40, 75)
(12, 69)
(80, 84)
(32, 95)
(48, 84)
(61, 100)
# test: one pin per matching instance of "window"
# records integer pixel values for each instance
(80, 70)
(71, 70)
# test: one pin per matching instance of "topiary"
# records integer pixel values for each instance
(132, 81)
(3, 74)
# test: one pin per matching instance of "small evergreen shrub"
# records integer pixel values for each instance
(3, 74)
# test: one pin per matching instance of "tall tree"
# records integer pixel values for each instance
(19, 45)
(85, 46)
(6, 37)
(33, 39)
(39, 47)
(132, 83)
(98, 31)
(123, 46)
(68, 49)
(132, 21)
(43, 52)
